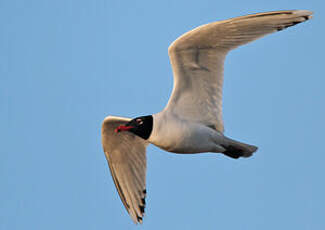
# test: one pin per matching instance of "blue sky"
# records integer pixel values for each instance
(65, 65)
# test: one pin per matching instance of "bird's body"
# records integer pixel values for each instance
(192, 120)
(184, 136)
(189, 137)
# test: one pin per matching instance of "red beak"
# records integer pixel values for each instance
(123, 128)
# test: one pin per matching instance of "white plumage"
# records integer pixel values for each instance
(192, 120)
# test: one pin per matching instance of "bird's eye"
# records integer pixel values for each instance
(139, 121)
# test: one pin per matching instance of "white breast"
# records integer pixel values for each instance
(180, 136)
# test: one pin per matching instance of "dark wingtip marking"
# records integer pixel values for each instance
(307, 17)
(288, 25)
(142, 208)
(139, 219)
(143, 200)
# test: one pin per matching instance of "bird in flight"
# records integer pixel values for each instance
(192, 120)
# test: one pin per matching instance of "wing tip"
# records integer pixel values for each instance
(304, 14)
(298, 16)
(137, 213)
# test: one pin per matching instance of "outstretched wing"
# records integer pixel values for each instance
(197, 58)
(126, 157)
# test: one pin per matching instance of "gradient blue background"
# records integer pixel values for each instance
(66, 64)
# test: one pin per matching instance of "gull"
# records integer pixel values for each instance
(192, 120)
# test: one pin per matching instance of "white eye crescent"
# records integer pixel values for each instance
(140, 122)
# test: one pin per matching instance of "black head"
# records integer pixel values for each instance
(140, 126)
